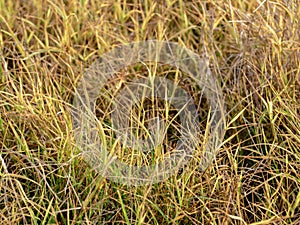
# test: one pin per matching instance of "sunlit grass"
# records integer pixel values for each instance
(253, 50)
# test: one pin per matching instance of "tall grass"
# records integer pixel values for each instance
(254, 50)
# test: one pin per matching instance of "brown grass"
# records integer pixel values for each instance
(253, 49)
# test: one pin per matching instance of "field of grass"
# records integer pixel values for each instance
(253, 47)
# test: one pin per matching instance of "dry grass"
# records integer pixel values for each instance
(254, 50)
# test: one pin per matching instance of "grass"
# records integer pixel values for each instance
(253, 49)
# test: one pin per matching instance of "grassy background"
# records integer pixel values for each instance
(253, 48)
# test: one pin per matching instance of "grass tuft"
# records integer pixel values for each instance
(253, 48)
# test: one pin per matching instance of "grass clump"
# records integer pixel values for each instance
(253, 49)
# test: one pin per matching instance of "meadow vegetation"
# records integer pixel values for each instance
(253, 48)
